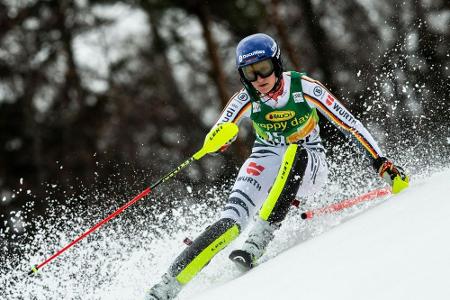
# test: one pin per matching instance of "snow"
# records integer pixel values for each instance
(396, 250)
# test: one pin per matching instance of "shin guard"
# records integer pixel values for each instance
(203, 249)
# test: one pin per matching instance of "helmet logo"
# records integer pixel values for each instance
(274, 47)
(256, 52)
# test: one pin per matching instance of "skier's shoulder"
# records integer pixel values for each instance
(237, 107)
(304, 78)
(293, 74)
(311, 86)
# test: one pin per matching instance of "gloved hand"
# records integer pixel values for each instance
(394, 175)
(222, 149)
(224, 146)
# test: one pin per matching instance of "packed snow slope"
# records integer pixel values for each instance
(395, 248)
(399, 249)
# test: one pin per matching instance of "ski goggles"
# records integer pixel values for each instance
(262, 68)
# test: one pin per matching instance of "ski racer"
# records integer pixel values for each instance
(287, 160)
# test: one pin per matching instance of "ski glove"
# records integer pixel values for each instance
(394, 175)
(224, 147)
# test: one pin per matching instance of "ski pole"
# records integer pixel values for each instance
(215, 139)
(374, 194)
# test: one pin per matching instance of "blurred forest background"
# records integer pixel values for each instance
(113, 94)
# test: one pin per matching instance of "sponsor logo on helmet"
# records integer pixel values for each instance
(275, 50)
(274, 47)
(256, 52)
(277, 116)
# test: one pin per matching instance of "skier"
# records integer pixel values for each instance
(287, 159)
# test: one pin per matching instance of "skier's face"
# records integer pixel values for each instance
(264, 85)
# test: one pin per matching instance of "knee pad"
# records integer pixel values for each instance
(285, 187)
(203, 249)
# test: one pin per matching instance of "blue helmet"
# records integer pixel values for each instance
(258, 47)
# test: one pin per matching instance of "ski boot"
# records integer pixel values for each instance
(167, 289)
(255, 245)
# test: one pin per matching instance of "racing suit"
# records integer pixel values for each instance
(287, 161)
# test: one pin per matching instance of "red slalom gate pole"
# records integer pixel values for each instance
(346, 203)
(96, 226)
